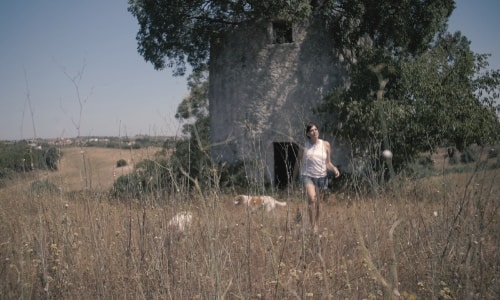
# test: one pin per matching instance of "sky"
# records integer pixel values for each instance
(71, 68)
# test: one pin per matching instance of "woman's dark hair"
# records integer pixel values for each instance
(309, 126)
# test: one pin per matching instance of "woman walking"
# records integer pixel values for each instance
(314, 161)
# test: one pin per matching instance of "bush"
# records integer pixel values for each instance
(426, 162)
(452, 155)
(453, 160)
(233, 176)
(126, 186)
(5, 176)
(467, 156)
(22, 157)
(149, 177)
(493, 152)
(52, 156)
(121, 163)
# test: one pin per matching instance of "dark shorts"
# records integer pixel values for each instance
(321, 183)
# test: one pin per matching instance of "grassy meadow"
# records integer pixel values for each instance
(430, 238)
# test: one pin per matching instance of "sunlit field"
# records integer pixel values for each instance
(435, 237)
(95, 168)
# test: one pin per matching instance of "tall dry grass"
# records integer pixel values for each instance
(432, 238)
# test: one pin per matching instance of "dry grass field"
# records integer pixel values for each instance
(431, 238)
(95, 167)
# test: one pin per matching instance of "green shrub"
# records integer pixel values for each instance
(121, 163)
(126, 186)
(493, 152)
(148, 177)
(452, 156)
(5, 176)
(426, 161)
(453, 160)
(23, 157)
(468, 156)
(233, 176)
(51, 157)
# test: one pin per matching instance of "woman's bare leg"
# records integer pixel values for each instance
(313, 206)
(319, 199)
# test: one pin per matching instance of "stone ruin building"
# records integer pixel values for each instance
(265, 80)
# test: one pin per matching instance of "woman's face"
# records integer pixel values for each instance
(313, 132)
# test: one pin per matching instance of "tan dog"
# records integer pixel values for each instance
(256, 202)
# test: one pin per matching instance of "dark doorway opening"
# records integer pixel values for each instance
(285, 156)
(282, 33)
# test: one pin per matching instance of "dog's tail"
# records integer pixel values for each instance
(280, 203)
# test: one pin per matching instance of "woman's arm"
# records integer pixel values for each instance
(329, 164)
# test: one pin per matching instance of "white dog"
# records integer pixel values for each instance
(181, 221)
(256, 202)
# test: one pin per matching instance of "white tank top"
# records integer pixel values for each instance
(313, 160)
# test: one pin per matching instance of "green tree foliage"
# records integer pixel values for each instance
(195, 105)
(442, 97)
(173, 33)
(453, 95)
(24, 157)
(398, 27)
(16, 156)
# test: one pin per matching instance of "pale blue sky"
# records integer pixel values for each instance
(42, 41)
